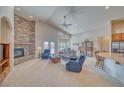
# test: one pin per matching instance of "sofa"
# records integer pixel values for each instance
(76, 66)
(46, 54)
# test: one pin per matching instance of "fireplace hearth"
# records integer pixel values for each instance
(18, 52)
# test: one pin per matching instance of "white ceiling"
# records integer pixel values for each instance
(86, 17)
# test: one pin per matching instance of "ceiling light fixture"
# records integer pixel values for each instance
(107, 7)
(31, 17)
(76, 24)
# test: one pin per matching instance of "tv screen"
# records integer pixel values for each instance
(1, 52)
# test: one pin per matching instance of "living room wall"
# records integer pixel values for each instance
(45, 32)
(103, 31)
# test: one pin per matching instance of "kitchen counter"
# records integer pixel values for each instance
(117, 57)
(110, 64)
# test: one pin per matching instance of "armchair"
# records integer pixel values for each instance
(77, 65)
(46, 54)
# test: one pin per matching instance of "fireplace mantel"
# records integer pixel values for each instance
(23, 43)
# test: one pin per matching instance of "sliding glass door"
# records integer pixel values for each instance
(64, 44)
(50, 45)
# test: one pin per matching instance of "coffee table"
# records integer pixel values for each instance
(55, 59)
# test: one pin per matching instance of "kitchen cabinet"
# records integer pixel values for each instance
(117, 37)
(122, 36)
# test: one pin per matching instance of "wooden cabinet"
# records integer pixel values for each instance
(117, 30)
(122, 36)
(1, 77)
(117, 26)
(116, 37)
(4, 63)
(6, 71)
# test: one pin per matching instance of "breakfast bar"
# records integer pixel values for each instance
(117, 57)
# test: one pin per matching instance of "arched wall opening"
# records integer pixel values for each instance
(5, 30)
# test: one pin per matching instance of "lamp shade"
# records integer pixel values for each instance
(39, 48)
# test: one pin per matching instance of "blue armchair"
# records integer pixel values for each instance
(77, 65)
(46, 54)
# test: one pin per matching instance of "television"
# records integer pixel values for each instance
(1, 52)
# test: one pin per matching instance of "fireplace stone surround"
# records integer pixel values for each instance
(24, 38)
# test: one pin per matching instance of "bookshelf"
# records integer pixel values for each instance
(4, 64)
(88, 48)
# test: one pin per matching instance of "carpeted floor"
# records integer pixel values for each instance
(44, 73)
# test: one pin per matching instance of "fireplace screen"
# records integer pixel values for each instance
(18, 52)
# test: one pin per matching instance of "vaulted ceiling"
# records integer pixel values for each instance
(82, 18)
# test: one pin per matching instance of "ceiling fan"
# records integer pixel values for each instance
(66, 25)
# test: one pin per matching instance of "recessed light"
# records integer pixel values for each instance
(31, 17)
(18, 9)
(76, 24)
(107, 7)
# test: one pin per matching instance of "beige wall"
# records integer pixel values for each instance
(5, 31)
(102, 31)
(104, 43)
(9, 13)
(45, 32)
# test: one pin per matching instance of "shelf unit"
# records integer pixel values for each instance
(4, 64)
(88, 48)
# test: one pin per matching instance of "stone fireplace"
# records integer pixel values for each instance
(24, 39)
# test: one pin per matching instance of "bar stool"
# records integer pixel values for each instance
(99, 61)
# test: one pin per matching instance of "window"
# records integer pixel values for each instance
(52, 47)
(46, 45)
(64, 44)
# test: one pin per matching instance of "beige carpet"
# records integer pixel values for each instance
(47, 74)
